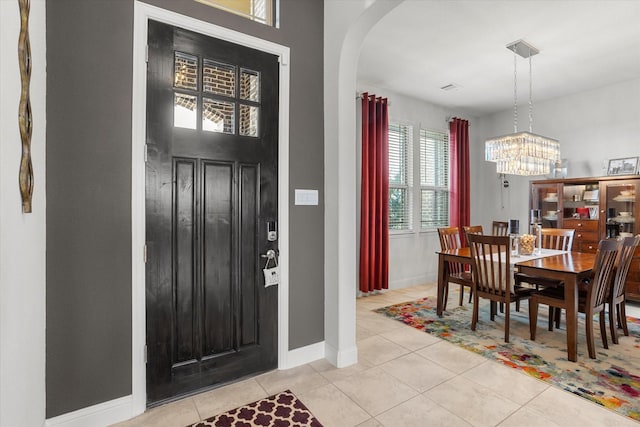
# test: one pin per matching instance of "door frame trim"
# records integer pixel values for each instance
(142, 14)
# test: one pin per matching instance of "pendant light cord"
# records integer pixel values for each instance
(530, 95)
(515, 91)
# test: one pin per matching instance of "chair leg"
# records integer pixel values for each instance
(446, 296)
(461, 295)
(552, 312)
(533, 318)
(470, 294)
(506, 323)
(622, 318)
(558, 314)
(612, 323)
(603, 329)
(589, 322)
(501, 307)
(492, 310)
(474, 316)
(518, 304)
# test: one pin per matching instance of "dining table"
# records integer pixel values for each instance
(569, 267)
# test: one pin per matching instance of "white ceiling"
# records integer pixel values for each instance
(423, 45)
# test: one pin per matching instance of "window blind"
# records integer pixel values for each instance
(434, 179)
(400, 176)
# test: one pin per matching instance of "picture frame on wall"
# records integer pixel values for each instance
(624, 166)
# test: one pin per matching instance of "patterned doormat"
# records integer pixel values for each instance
(280, 410)
(612, 380)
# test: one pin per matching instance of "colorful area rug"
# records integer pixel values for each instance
(612, 380)
(280, 410)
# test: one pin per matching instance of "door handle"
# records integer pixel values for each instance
(271, 254)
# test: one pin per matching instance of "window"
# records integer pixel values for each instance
(400, 179)
(431, 172)
(262, 11)
(434, 179)
(225, 90)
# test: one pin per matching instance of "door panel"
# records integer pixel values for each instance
(218, 179)
(184, 259)
(211, 188)
(249, 203)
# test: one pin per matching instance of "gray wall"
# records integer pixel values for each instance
(89, 80)
(88, 203)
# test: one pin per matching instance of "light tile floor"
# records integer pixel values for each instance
(404, 378)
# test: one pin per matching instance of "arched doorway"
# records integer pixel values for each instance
(346, 27)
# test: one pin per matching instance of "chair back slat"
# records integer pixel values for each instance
(625, 255)
(500, 228)
(557, 238)
(490, 263)
(603, 271)
(450, 239)
(473, 229)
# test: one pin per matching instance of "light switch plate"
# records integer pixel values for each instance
(306, 197)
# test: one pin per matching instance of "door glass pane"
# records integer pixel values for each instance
(218, 78)
(185, 71)
(250, 85)
(621, 209)
(545, 206)
(248, 120)
(185, 111)
(581, 201)
(218, 116)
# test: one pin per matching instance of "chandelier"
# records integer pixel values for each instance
(522, 153)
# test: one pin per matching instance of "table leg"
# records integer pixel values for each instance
(571, 299)
(442, 273)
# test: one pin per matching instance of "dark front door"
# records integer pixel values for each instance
(211, 198)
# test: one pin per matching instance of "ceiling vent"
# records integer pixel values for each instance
(450, 86)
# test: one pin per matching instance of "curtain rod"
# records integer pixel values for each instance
(359, 96)
(449, 119)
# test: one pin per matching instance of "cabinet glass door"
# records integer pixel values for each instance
(546, 200)
(581, 201)
(621, 208)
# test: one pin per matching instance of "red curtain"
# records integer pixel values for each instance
(374, 201)
(460, 196)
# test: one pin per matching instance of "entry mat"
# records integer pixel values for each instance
(280, 410)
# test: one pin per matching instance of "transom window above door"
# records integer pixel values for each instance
(263, 11)
(215, 97)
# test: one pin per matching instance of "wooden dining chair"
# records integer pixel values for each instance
(552, 238)
(557, 238)
(471, 229)
(492, 276)
(592, 302)
(617, 311)
(450, 239)
(500, 228)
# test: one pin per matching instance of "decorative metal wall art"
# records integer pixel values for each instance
(24, 109)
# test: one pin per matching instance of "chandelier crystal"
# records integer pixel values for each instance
(522, 153)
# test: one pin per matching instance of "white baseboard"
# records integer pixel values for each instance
(100, 415)
(343, 358)
(121, 409)
(347, 358)
(413, 281)
(303, 355)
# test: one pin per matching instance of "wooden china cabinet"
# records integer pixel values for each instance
(597, 208)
